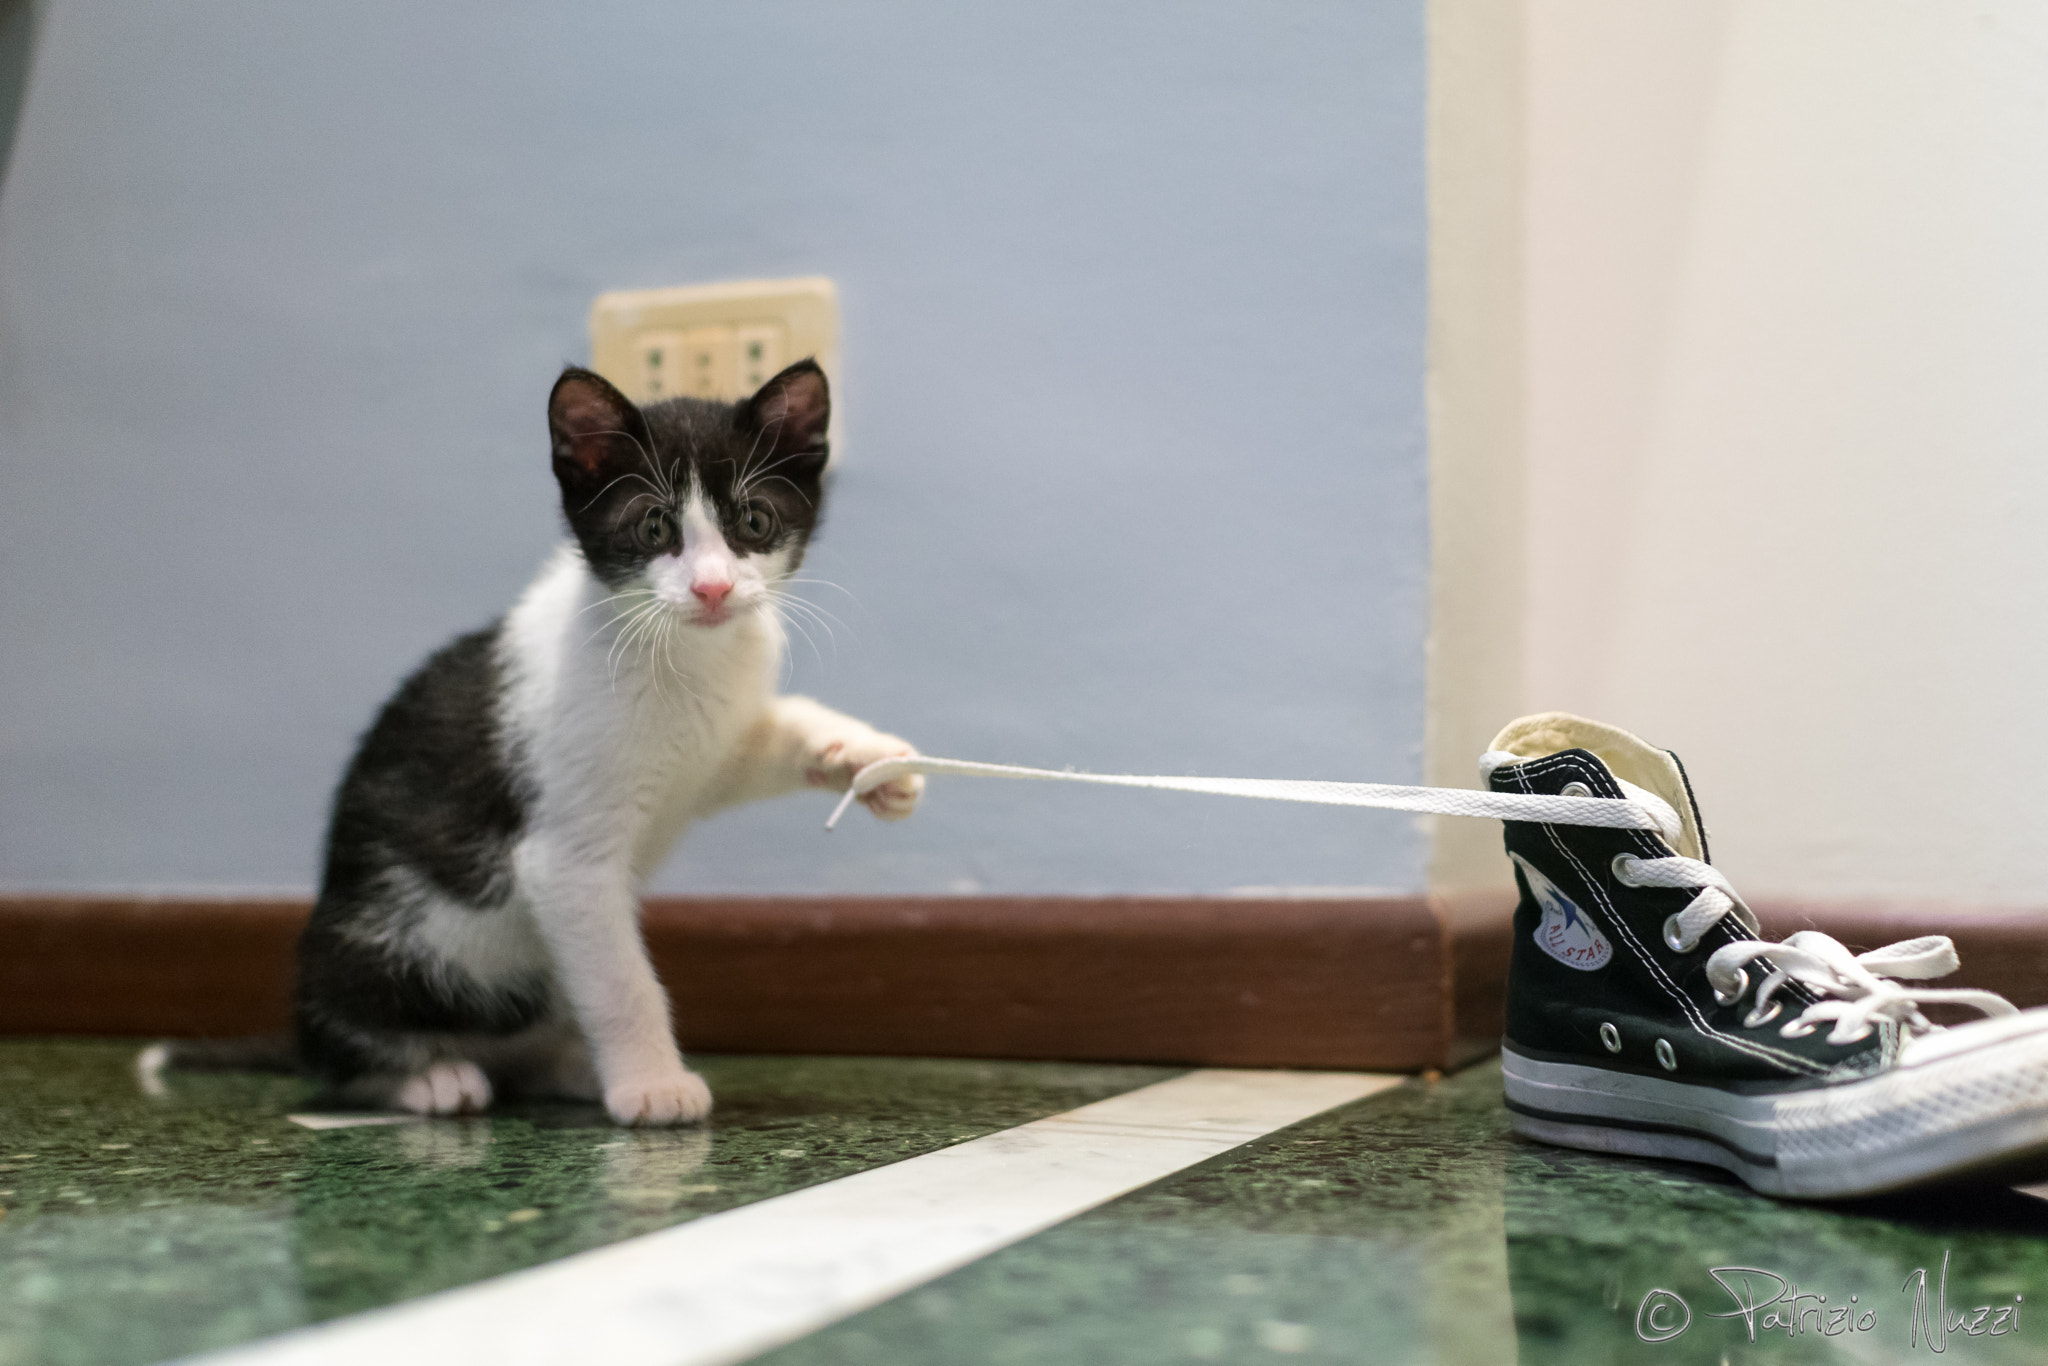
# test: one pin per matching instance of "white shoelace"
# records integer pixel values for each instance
(1856, 989)
(1639, 810)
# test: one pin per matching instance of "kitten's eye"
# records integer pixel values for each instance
(657, 529)
(757, 522)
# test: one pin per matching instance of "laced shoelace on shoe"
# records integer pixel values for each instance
(1855, 988)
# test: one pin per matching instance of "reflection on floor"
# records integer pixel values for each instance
(1408, 1227)
(138, 1230)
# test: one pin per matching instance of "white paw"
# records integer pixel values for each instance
(895, 799)
(446, 1088)
(836, 762)
(682, 1098)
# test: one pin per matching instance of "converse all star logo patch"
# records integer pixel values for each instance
(1566, 932)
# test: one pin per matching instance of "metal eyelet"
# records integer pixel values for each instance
(1576, 790)
(1623, 867)
(1795, 1030)
(1673, 938)
(1741, 985)
(1754, 1020)
(1610, 1038)
(1666, 1059)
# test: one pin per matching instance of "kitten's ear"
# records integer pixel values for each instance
(792, 411)
(597, 432)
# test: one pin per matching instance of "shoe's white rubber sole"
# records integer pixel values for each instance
(1974, 1113)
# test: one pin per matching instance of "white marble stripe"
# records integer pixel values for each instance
(728, 1286)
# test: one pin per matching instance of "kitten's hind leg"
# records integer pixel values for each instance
(450, 1086)
(455, 1087)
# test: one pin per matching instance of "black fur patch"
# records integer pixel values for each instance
(429, 801)
(620, 466)
(430, 787)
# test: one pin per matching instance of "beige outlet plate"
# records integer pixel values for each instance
(716, 341)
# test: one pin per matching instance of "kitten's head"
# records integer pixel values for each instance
(709, 505)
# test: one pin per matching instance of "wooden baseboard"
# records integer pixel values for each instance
(1392, 983)
(177, 966)
(2003, 949)
(1386, 983)
(1479, 927)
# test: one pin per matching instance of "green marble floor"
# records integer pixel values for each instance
(1409, 1227)
(138, 1229)
(1414, 1228)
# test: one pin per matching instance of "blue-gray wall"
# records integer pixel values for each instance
(1133, 306)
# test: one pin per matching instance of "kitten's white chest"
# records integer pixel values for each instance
(626, 737)
(681, 760)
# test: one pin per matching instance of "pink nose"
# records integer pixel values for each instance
(712, 595)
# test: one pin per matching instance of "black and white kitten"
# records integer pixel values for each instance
(477, 928)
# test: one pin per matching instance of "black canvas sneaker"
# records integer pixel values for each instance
(1645, 1016)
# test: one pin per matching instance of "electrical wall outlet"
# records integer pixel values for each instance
(716, 341)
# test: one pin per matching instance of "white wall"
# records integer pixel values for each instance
(1787, 422)
(1477, 423)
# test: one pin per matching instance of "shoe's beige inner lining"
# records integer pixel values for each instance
(1626, 757)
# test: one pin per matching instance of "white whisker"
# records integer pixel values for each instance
(621, 647)
(622, 616)
(614, 597)
(790, 622)
(810, 609)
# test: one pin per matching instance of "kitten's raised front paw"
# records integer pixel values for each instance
(681, 1098)
(895, 799)
(838, 760)
(446, 1088)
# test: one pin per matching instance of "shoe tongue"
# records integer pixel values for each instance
(1627, 758)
